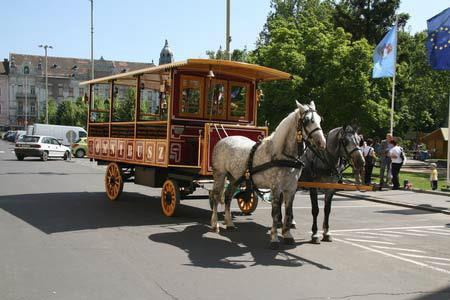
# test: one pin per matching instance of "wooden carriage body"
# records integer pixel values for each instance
(163, 122)
(178, 136)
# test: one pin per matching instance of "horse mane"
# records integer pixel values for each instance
(279, 137)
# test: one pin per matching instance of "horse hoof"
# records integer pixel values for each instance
(216, 230)
(293, 226)
(315, 240)
(274, 245)
(327, 238)
(289, 241)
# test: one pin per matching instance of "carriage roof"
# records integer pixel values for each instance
(239, 69)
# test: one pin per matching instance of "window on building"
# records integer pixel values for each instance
(20, 107)
(26, 70)
(0, 108)
(32, 108)
(191, 96)
(32, 90)
(60, 91)
(20, 88)
(0, 92)
(70, 91)
(238, 101)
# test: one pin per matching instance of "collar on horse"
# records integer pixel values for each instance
(292, 162)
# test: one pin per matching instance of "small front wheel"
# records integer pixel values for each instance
(113, 181)
(80, 153)
(247, 202)
(170, 197)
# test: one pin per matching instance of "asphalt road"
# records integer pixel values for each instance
(61, 239)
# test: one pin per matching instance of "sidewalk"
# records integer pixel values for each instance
(426, 201)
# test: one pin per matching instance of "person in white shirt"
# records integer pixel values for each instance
(398, 158)
(369, 157)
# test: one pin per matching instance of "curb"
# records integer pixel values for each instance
(397, 203)
(431, 192)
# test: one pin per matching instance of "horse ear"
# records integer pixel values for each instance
(313, 105)
(300, 107)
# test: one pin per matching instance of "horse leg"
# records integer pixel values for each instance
(288, 217)
(327, 209)
(315, 239)
(276, 203)
(216, 194)
(228, 197)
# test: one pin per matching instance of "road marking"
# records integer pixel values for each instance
(387, 228)
(404, 233)
(438, 263)
(379, 234)
(370, 241)
(394, 256)
(398, 249)
(2, 151)
(440, 230)
(423, 256)
(432, 232)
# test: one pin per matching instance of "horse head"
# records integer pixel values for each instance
(349, 148)
(309, 124)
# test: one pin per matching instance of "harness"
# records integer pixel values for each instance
(343, 162)
(292, 162)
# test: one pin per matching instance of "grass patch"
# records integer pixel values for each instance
(418, 180)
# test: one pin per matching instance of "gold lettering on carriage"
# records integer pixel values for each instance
(121, 150)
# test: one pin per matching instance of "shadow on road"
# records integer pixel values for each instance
(207, 250)
(438, 295)
(59, 212)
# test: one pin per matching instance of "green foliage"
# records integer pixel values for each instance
(236, 55)
(52, 108)
(124, 107)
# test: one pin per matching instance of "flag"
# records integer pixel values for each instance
(385, 55)
(438, 41)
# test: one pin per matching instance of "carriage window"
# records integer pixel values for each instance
(123, 104)
(191, 96)
(216, 105)
(149, 104)
(238, 100)
(100, 103)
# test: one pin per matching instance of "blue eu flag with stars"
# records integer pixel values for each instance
(438, 41)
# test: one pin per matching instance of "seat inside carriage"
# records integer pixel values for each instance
(171, 116)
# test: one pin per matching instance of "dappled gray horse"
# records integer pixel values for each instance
(327, 166)
(231, 154)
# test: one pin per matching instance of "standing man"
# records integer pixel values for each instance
(385, 159)
(398, 158)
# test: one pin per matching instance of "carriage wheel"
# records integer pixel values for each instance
(113, 181)
(170, 197)
(248, 206)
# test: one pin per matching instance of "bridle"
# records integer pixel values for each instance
(302, 124)
(343, 142)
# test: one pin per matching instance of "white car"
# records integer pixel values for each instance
(44, 147)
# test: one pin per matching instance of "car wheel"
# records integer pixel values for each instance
(80, 153)
(66, 155)
(20, 157)
(44, 156)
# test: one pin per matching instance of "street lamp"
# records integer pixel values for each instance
(46, 81)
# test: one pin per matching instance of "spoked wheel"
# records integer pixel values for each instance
(113, 181)
(247, 202)
(170, 197)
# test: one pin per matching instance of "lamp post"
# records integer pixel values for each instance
(26, 101)
(92, 38)
(46, 81)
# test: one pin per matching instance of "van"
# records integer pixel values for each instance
(67, 135)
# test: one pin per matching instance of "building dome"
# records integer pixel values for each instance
(166, 56)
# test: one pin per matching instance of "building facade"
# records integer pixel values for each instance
(4, 105)
(26, 82)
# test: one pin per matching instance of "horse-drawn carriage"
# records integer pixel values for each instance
(158, 126)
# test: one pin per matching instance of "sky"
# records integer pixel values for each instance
(135, 30)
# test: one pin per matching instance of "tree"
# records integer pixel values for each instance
(299, 37)
(52, 107)
(369, 19)
(236, 55)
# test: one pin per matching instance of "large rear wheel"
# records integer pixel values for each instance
(170, 197)
(113, 181)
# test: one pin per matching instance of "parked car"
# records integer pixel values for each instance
(79, 149)
(65, 134)
(6, 134)
(44, 147)
(12, 136)
(19, 135)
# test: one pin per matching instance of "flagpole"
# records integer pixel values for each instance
(393, 80)
(448, 148)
